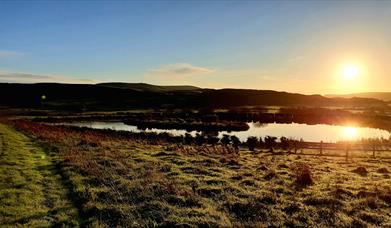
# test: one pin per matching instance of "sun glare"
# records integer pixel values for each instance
(351, 72)
(350, 133)
(351, 76)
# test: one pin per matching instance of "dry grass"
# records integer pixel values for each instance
(120, 181)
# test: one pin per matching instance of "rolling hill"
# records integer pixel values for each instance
(120, 96)
(143, 87)
(385, 96)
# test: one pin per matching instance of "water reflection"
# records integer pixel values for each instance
(314, 133)
(259, 124)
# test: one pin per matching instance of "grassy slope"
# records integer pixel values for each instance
(128, 182)
(31, 192)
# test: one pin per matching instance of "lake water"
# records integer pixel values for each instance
(313, 133)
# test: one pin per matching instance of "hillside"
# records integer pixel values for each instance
(239, 97)
(120, 96)
(385, 96)
(148, 87)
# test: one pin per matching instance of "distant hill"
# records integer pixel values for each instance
(148, 87)
(241, 97)
(121, 96)
(385, 96)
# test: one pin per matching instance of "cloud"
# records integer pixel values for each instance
(180, 69)
(7, 54)
(12, 77)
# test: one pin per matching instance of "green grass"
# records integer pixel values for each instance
(31, 192)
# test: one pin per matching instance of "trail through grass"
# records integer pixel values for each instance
(31, 190)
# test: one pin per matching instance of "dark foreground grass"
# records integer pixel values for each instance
(123, 181)
(31, 191)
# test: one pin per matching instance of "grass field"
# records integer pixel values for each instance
(124, 181)
(31, 191)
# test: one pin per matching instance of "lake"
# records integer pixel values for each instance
(313, 133)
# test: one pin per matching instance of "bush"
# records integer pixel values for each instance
(383, 170)
(188, 139)
(303, 175)
(284, 143)
(200, 139)
(212, 139)
(252, 143)
(361, 171)
(270, 142)
(235, 142)
(225, 140)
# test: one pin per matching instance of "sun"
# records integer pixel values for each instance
(351, 76)
(350, 72)
(350, 133)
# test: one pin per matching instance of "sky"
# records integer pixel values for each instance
(294, 46)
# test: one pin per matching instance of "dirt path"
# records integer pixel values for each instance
(31, 191)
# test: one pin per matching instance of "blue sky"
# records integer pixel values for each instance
(295, 46)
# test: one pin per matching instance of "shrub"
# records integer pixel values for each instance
(235, 142)
(361, 171)
(270, 142)
(383, 170)
(225, 140)
(212, 139)
(188, 139)
(252, 142)
(284, 143)
(200, 139)
(303, 175)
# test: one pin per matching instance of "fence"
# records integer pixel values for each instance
(346, 147)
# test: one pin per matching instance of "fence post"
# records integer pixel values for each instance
(347, 151)
(295, 147)
(321, 147)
